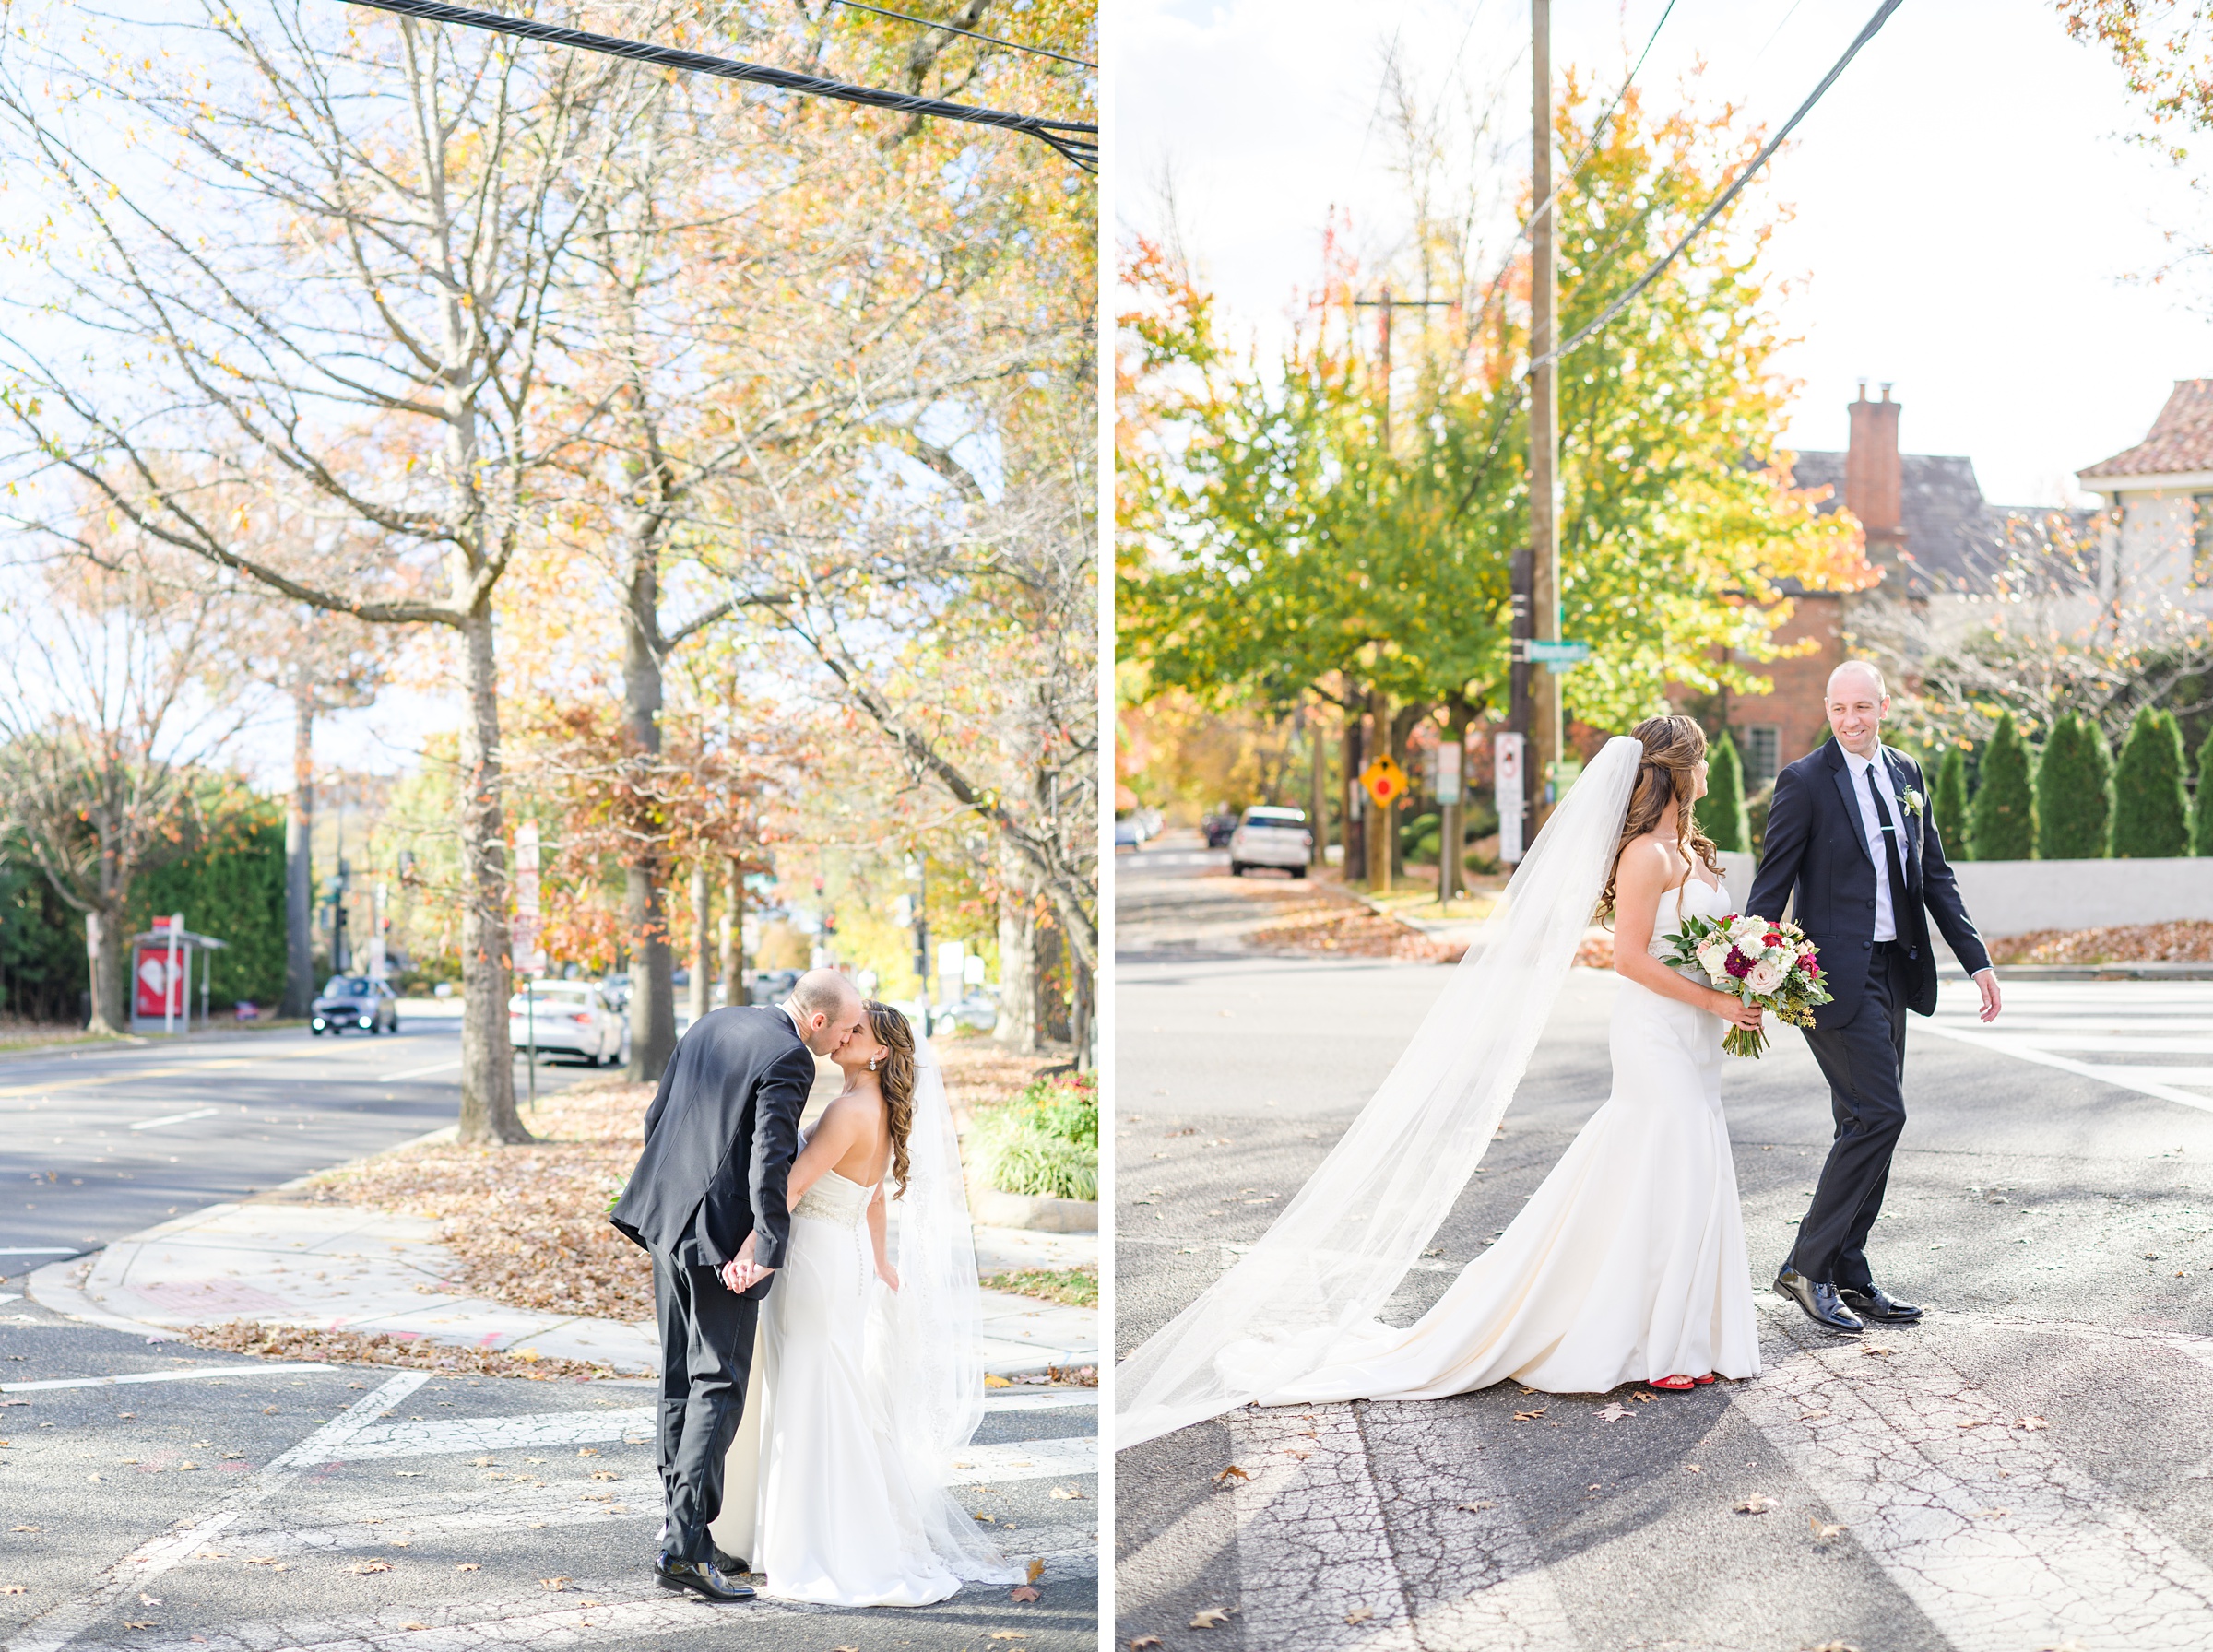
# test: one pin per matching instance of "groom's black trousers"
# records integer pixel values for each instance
(707, 1359)
(1865, 1062)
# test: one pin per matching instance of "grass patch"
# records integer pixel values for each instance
(1071, 1287)
(1044, 1142)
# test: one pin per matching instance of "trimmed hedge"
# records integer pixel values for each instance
(2075, 793)
(2201, 814)
(2151, 814)
(1950, 805)
(1721, 813)
(2002, 822)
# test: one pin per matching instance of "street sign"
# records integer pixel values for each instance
(1385, 782)
(1446, 785)
(1559, 656)
(1508, 751)
(526, 955)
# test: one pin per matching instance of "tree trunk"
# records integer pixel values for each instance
(1356, 822)
(1017, 1025)
(1377, 829)
(299, 867)
(1080, 1022)
(1318, 790)
(702, 946)
(733, 931)
(104, 958)
(652, 992)
(488, 1113)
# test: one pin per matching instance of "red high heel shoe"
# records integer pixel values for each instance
(1679, 1384)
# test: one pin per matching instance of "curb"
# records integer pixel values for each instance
(59, 1288)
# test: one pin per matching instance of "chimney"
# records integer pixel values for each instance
(1874, 480)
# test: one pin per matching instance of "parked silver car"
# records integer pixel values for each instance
(569, 1017)
(1272, 837)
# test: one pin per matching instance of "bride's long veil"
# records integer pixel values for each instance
(925, 1360)
(1341, 1246)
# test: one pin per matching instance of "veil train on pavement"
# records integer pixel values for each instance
(1339, 1249)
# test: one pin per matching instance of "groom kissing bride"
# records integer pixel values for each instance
(1627, 1264)
(812, 1392)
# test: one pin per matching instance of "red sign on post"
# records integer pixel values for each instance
(157, 990)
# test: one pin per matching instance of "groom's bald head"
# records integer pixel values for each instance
(828, 1009)
(1858, 700)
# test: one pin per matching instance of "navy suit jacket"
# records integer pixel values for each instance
(720, 1138)
(1816, 848)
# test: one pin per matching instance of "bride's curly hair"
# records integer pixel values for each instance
(896, 1078)
(1672, 747)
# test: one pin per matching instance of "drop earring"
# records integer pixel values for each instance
(872, 1064)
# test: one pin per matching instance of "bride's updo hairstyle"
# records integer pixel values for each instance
(896, 1077)
(1673, 748)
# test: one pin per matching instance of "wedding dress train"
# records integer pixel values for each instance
(1627, 1264)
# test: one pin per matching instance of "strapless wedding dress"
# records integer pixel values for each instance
(818, 1494)
(1628, 1263)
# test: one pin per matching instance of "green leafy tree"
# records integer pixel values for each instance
(2004, 820)
(1951, 805)
(1722, 811)
(2152, 817)
(2074, 792)
(232, 887)
(2201, 813)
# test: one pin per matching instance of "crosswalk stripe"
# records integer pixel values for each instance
(62, 1624)
(1998, 1539)
(2023, 1051)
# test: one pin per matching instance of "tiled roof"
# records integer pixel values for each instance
(2180, 438)
(1956, 540)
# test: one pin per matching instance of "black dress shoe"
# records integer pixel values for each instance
(1873, 1304)
(700, 1576)
(730, 1566)
(1819, 1299)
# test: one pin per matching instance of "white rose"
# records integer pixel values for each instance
(1766, 977)
(1747, 926)
(1713, 954)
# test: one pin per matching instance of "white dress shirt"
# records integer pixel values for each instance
(1886, 921)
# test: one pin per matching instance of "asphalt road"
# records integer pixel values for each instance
(233, 1504)
(2032, 1469)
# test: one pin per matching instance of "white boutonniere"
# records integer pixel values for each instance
(1915, 803)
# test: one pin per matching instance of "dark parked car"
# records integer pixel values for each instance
(1217, 827)
(354, 1003)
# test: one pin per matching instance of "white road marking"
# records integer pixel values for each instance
(417, 1072)
(56, 1628)
(37, 1250)
(2070, 1026)
(1995, 1536)
(2122, 1077)
(163, 1377)
(175, 1118)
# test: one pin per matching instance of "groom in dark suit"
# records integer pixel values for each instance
(720, 1138)
(1849, 836)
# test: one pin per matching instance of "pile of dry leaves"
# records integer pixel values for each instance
(1318, 919)
(352, 1347)
(527, 1224)
(2127, 943)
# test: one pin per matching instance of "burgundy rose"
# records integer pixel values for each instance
(1738, 965)
(1810, 967)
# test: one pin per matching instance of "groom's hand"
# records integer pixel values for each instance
(1987, 982)
(742, 1275)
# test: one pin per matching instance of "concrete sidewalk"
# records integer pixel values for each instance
(339, 1267)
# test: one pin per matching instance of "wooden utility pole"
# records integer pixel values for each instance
(1544, 416)
(1318, 790)
(1387, 303)
(1380, 831)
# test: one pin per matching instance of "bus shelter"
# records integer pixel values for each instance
(162, 972)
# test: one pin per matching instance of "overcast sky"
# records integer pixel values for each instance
(1969, 220)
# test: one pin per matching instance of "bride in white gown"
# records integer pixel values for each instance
(1627, 1265)
(867, 1376)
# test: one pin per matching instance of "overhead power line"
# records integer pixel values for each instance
(955, 28)
(1874, 23)
(1074, 141)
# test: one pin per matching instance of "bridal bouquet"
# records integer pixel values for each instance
(1772, 965)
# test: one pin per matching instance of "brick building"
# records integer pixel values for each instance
(1938, 544)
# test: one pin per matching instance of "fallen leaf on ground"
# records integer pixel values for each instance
(1023, 1594)
(1876, 1351)
(27, 1529)
(1754, 1505)
(263, 1560)
(1144, 1643)
(1692, 1468)
(1972, 1423)
(138, 1624)
(1993, 1514)
(17, 1589)
(1009, 1635)
(1614, 1413)
(468, 1565)
(1530, 1416)
(1811, 1416)
(414, 1625)
(605, 1474)
(555, 1583)
(1469, 1508)
(1212, 1617)
(1834, 1646)
(1037, 1569)
(1067, 1494)
(1230, 1473)
(147, 1599)
(2032, 1424)
(374, 1565)
(1823, 1531)
(1360, 1614)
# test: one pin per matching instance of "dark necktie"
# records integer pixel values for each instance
(1877, 784)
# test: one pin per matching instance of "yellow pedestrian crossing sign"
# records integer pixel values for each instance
(1385, 782)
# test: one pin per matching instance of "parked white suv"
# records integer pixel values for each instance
(1272, 837)
(569, 1017)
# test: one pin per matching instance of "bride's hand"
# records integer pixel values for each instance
(888, 1274)
(1737, 1013)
